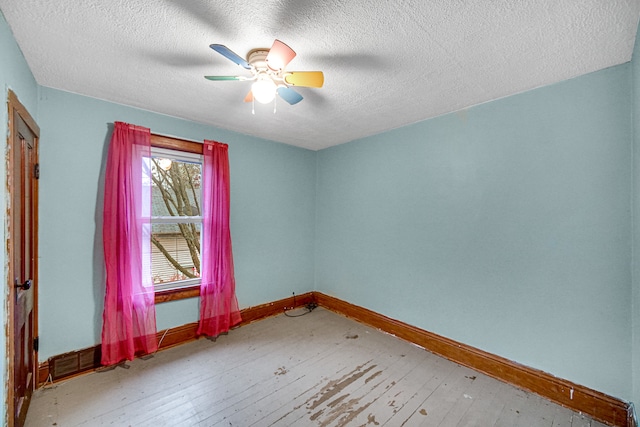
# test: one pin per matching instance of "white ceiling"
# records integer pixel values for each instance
(386, 63)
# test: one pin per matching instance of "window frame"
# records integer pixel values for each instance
(186, 146)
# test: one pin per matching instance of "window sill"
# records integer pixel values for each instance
(177, 294)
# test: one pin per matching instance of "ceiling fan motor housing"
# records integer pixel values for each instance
(258, 58)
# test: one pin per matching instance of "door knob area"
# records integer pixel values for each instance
(25, 286)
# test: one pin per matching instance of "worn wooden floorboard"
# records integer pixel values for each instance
(320, 369)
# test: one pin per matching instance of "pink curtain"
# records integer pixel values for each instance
(129, 318)
(218, 304)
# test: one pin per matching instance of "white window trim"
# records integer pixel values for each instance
(175, 219)
(177, 154)
(177, 285)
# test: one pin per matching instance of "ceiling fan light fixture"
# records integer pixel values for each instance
(267, 67)
(264, 90)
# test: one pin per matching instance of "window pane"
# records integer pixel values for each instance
(175, 193)
(175, 252)
(176, 188)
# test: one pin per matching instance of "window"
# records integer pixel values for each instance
(176, 221)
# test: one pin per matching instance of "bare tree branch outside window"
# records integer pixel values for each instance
(176, 192)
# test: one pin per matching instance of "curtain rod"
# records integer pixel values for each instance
(165, 135)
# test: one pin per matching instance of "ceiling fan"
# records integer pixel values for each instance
(267, 67)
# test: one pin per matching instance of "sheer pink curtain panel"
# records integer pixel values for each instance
(129, 317)
(218, 303)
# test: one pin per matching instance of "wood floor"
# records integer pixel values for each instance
(319, 369)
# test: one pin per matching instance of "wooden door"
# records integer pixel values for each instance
(23, 244)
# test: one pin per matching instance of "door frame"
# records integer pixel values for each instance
(15, 108)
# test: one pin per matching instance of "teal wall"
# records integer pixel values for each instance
(506, 226)
(14, 75)
(272, 211)
(635, 301)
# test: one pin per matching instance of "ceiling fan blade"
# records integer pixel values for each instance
(216, 78)
(229, 54)
(249, 97)
(305, 78)
(279, 55)
(289, 95)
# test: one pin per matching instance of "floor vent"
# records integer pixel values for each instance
(74, 362)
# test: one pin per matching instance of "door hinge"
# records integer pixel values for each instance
(36, 344)
(36, 171)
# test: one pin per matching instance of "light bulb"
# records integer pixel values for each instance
(165, 164)
(264, 90)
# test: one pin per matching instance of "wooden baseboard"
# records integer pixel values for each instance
(43, 373)
(597, 405)
(181, 334)
(262, 311)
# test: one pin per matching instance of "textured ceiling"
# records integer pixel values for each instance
(386, 63)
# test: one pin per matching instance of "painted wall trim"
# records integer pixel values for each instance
(597, 405)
